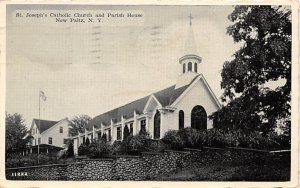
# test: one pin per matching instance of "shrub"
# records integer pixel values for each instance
(98, 148)
(132, 145)
(192, 138)
(173, 139)
(83, 150)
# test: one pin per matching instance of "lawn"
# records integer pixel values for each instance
(269, 168)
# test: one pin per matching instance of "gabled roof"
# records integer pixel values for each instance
(166, 97)
(44, 124)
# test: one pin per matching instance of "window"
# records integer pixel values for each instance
(157, 125)
(34, 141)
(184, 68)
(131, 128)
(83, 139)
(35, 130)
(195, 67)
(65, 141)
(109, 135)
(199, 118)
(99, 135)
(39, 141)
(92, 138)
(190, 66)
(61, 130)
(119, 133)
(32, 131)
(50, 140)
(143, 125)
(181, 120)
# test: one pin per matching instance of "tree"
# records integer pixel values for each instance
(16, 134)
(126, 132)
(265, 56)
(78, 123)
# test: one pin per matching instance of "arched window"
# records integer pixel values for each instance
(184, 68)
(199, 118)
(195, 67)
(181, 119)
(190, 66)
(156, 133)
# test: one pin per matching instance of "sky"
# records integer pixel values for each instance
(92, 68)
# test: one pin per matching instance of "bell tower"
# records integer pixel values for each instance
(190, 61)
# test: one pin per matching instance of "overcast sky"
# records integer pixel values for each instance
(90, 69)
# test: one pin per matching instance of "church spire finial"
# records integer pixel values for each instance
(190, 16)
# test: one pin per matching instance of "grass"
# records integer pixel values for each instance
(269, 168)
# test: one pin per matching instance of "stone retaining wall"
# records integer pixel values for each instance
(144, 167)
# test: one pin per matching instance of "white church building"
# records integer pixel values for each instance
(188, 103)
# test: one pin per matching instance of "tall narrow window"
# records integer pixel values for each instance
(60, 129)
(195, 67)
(36, 130)
(190, 66)
(39, 140)
(50, 140)
(109, 135)
(131, 128)
(183, 67)
(119, 132)
(143, 125)
(181, 119)
(157, 125)
(35, 141)
(99, 135)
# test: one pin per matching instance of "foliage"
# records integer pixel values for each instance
(173, 139)
(78, 124)
(126, 132)
(99, 148)
(192, 138)
(265, 32)
(83, 149)
(70, 151)
(15, 133)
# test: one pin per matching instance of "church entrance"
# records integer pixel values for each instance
(156, 133)
(199, 118)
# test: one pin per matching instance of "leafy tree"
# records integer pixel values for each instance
(265, 56)
(78, 123)
(16, 134)
(126, 132)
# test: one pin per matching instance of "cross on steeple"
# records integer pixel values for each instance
(190, 16)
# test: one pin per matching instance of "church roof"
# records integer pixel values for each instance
(166, 97)
(44, 124)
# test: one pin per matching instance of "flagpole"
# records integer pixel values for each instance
(39, 126)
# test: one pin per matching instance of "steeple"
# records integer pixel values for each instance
(190, 61)
(190, 46)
